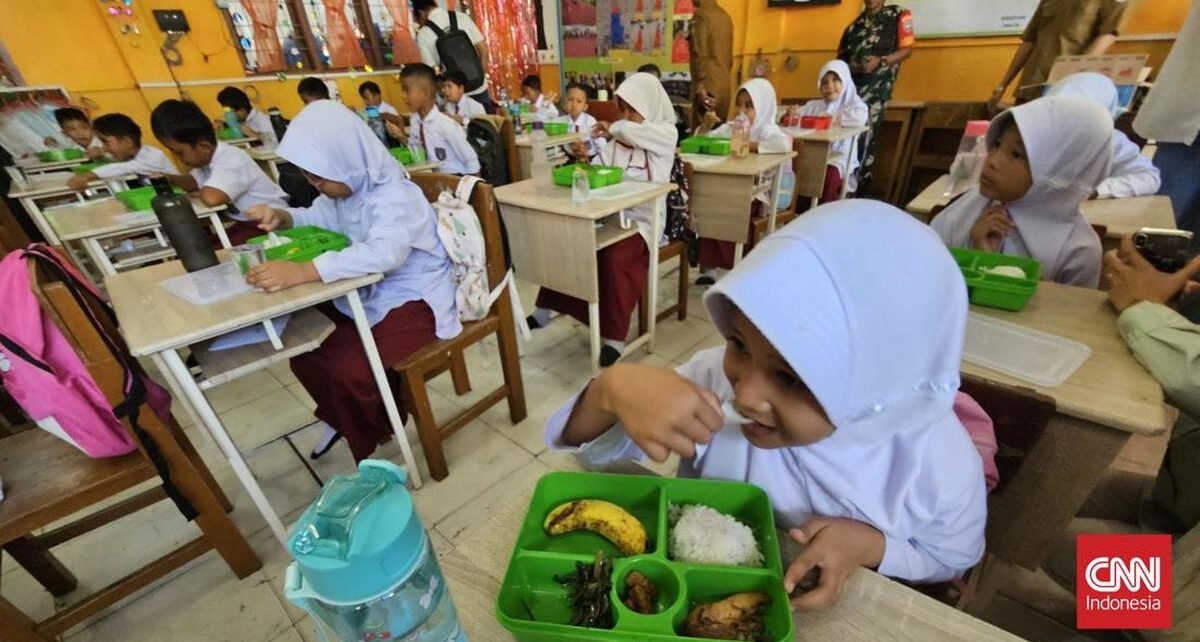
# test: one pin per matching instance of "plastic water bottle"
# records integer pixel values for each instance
(969, 161)
(183, 229)
(375, 122)
(231, 122)
(514, 110)
(581, 190)
(739, 141)
(539, 164)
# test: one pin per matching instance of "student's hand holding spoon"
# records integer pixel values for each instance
(991, 228)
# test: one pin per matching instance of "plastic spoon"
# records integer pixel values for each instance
(273, 240)
(732, 415)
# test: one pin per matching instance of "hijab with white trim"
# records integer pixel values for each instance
(1068, 141)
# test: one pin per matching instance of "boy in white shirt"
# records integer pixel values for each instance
(459, 106)
(78, 129)
(581, 122)
(443, 140)
(221, 174)
(372, 96)
(121, 139)
(254, 123)
(543, 105)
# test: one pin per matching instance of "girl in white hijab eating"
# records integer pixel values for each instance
(643, 145)
(1045, 158)
(844, 332)
(368, 197)
(839, 99)
(1131, 174)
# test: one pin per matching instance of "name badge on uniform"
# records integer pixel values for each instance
(440, 152)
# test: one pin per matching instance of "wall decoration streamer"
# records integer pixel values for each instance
(263, 15)
(512, 43)
(344, 50)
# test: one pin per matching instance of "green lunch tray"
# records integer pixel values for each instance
(403, 155)
(551, 129)
(138, 198)
(534, 607)
(307, 242)
(87, 167)
(598, 175)
(995, 290)
(55, 155)
(710, 145)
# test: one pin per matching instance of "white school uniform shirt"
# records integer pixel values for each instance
(764, 130)
(260, 124)
(386, 108)
(848, 110)
(392, 227)
(232, 171)
(583, 125)
(444, 141)
(148, 161)
(466, 107)
(886, 375)
(544, 108)
(1068, 144)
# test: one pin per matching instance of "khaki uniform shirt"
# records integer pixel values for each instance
(1064, 28)
(712, 53)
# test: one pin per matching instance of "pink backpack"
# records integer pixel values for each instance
(44, 375)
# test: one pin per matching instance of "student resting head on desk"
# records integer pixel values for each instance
(1131, 174)
(78, 129)
(443, 140)
(221, 174)
(839, 99)
(121, 139)
(850, 398)
(756, 102)
(392, 228)
(643, 145)
(1045, 158)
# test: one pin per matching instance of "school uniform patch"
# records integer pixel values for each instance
(440, 152)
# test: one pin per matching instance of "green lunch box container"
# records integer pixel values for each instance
(306, 243)
(403, 155)
(551, 129)
(710, 145)
(226, 133)
(534, 607)
(56, 155)
(138, 198)
(598, 175)
(996, 290)
(87, 167)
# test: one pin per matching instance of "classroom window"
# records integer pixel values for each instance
(340, 41)
(267, 36)
(393, 25)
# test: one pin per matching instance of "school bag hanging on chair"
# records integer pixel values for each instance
(458, 53)
(461, 234)
(46, 377)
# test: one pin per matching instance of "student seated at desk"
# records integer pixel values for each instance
(312, 89)
(839, 98)
(221, 174)
(543, 105)
(78, 129)
(1126, 502)
(644, 145)
(392, 228)
(1045, 158)
(850, 397)
(254, 124)
(756, 102)
(372, 96)
(1131, 174)
(459, 106)
(121, 139)
(582, 123)
(443, 140)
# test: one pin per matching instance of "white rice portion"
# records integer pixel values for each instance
(702, 535)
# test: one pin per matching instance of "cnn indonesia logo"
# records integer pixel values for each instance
(1124, 582)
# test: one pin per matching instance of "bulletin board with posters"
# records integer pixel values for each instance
(606, 40)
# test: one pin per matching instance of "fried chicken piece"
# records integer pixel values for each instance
(641, 594)
(737, 617)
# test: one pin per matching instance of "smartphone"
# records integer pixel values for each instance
(1167, 250)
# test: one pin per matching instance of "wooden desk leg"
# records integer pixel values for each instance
(39, 220)
(98, 256)
(214, 219)
(772, 206)
(42, 565)
(172, 366)
(655, 232)
(15, 626)
(594, 333)
(1047, 492)
(737, 253)
(385, 389)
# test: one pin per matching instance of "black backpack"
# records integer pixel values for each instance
(458, 53)
(488, 146)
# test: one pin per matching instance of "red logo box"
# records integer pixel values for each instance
(1123, 582)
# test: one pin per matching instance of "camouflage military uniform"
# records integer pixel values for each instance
(874, 35)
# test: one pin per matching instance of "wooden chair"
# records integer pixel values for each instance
(47, 480)
(442, 355)
(672, 250)
(938, 131)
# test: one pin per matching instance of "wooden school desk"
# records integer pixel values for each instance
(554, 242)
(873, 608)
(157, 324)
(1108, 399)
(724, 189)
(54, 186)
(33, 166)
(267, 159)
(814, 156)
(525, 150)
(91, 222)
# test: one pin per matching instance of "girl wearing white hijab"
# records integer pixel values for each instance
(368, 197)
(643, 143)
(1131, 174)
(757, 102)
(848, 383)
(1045, 158)
(839, 98)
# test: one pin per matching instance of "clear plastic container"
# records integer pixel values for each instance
(581, 189)
(1040, 358)
(739, 141)
(968, 162)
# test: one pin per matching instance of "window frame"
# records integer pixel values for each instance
(307, 53)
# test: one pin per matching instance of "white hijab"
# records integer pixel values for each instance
(1097, 88)
(1068, 142)
(645, 94)
(849, 96)
(766, 108)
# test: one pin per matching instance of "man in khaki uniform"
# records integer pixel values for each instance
(711, 58)
(1060, 28)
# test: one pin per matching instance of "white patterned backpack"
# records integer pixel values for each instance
(461, 234)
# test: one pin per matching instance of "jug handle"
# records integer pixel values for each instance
(295, 590)
(385, 466)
